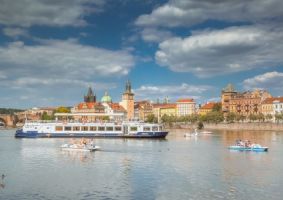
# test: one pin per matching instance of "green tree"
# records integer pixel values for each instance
(268, 117)
(62, 110)
(230, 117)
(217, 107)
(151, 118)
(45, 116)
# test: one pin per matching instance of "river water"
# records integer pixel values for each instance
(176, 168)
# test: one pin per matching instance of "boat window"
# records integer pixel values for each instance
(109, 128)
(67, 128)
(146, 128)
(118, 128)
(133, 128)
(84, 128)
(59, 128)
(92, 128)
(155, 128)
(76, 128)
(160, 128)
(101, 128)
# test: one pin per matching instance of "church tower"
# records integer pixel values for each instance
(90, 97)
(128, 101)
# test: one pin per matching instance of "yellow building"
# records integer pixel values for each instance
(169, 109)
(206, 108)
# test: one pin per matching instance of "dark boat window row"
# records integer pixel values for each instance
(103, 128)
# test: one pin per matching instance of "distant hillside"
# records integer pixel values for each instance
(9, 110)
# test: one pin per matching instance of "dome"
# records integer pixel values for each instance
(106, 98)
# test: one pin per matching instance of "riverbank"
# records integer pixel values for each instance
(257, 126)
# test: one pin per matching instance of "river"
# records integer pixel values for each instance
(176, 168)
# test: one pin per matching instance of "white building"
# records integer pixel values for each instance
(186, 107)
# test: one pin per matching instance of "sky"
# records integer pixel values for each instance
(51, 51)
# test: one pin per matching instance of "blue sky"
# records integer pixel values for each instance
(51, 51)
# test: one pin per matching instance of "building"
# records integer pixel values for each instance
(143, 109)
(106, 98)
(169, 109)
(185, 107)
(90, 97)
(244, 103)
(267, 107)
(278, 105)
(88, 107)
(115, 111)
(128, 101)
(206, 108)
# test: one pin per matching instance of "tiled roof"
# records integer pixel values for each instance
(89, 105)
(185, 101)
(209, 105)
(167, 105)
(270, 100)
(116, 107)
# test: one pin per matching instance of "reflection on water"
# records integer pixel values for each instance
(176, 168)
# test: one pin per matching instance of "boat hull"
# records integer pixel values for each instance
(34, 134)
(256, 149)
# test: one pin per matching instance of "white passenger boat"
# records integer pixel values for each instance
(127, 129)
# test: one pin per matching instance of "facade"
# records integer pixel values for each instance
(169, 109)
(267, 106)
(143, 109)
(88, 107)
(115, 108)
(206, 108)
(278, 105)
(128, 101)
(185, 107)
(244, 103)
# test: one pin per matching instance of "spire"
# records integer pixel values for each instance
(90, 97)
(128, 88)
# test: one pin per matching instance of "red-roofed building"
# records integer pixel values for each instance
(271, 106)
(164, 109)
(88, 107)
(206, 108)
(185, 107)
(143, 109)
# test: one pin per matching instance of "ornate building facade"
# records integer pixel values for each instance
(143, 109)
(244, 103)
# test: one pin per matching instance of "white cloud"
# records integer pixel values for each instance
(155, 35)
(152, 92)
(189, 12)
(214, 52)
(270, 80)
(47, 12)
(59, 59)
(15, 32)
(58, 69)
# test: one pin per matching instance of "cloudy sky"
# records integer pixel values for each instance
(51, 51)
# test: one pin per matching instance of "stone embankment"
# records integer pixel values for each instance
(263, 126)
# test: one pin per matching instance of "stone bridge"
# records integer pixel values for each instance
(7, 119)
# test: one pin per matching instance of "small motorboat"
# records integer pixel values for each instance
(80, 147)
(253, 147)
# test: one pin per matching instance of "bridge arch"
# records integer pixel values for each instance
(3, 122)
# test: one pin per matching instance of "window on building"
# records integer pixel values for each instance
(59, 128)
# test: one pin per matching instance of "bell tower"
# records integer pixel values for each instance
(128, 101)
